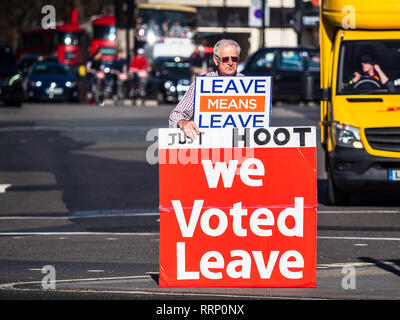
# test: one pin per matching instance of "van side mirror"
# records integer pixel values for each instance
(326, 94)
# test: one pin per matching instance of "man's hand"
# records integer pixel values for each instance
(189, 128)
(357, 77)
(383, 77)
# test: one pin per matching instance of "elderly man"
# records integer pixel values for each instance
(226, 58)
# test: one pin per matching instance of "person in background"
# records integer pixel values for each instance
(226, 58)
(196, 63)
(119, 63)
(176, 30)
(117, 66)
(139, 67)
(93, 65)
(139, 62)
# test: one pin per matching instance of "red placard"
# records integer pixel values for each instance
(238, 216)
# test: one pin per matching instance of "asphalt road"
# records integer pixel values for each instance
(77, 193)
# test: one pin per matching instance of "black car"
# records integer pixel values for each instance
(170, 79)
(295, 72)
(52, 81)
(27, 61)
(11, 91)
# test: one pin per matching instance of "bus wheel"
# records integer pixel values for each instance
(335, 195)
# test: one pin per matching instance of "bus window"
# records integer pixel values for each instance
(104, 32)
(68, 38)
(166, 23)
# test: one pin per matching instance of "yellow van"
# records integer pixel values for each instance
(360, 107)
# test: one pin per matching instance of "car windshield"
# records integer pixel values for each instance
(313, 61)
(54, 69)
(176, 67)
(290, 61)
(369, 67)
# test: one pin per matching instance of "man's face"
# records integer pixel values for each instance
(228, 68)
(367, 67)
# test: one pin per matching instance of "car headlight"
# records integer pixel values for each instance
(347, 136)
(13, 79)
(36, 83)
(70, 84)
(168, 84)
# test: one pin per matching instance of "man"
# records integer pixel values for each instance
(139, 62)
(119, 63)
(196, 62)
(371, 69)
(226, 58)
(139, 67)
(93, 65)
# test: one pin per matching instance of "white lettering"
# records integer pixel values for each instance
(298, 214)
(285, 264)
(181, 273)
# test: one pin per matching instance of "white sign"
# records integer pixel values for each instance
(232, 102)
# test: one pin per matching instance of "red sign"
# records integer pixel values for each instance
(239, 215)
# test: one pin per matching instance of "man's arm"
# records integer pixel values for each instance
(381, 74)
(181, 116)
(184, 108)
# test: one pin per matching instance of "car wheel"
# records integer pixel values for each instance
(335, 195)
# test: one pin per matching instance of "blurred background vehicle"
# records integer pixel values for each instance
(26, 62)
(169, 80)
(52, 81)
(104, 37)
(11, 91)
(295, 71)
(68, 41)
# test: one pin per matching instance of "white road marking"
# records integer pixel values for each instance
(79, 234)
(15, 234)
(4, 187)
(144, 214)
(33, 218)
(356, 211)
(358, 238)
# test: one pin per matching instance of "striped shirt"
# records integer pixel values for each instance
(184, 109)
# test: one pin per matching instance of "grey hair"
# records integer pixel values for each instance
(226, 43)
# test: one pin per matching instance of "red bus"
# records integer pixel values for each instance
(104, 37)
(68, 41)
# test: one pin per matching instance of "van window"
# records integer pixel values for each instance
(369, 67)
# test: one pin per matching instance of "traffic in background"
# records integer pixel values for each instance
(168, 36)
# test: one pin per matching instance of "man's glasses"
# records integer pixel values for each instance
(226, 59)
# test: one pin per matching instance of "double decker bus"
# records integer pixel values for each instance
(68, 41)
(165, 30)
(104, 37)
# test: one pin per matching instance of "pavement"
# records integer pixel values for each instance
(359, 281)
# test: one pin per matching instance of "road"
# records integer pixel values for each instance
(77, 193)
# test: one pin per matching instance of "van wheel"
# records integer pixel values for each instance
(335, 195)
